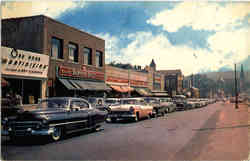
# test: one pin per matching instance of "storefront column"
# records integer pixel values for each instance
(43, 88)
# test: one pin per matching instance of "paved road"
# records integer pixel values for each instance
(215, 132)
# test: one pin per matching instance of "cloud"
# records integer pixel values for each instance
(147, 46)
(46, 7)
(202, 16)
(111, 47)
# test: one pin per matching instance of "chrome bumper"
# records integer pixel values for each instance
(28, 132)
(121, 115)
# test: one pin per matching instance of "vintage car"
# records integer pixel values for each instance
(168, 103)
(130, 108)
(55, 117)
(112, 101)
(197, 102)
(158, 108)
(98, 103)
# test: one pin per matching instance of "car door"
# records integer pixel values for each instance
(78, 114)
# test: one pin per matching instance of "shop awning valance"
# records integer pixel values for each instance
(122, 89)
(143, 91)
(84, 85)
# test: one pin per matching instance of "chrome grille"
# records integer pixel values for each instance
(120, 112)
(24, 125)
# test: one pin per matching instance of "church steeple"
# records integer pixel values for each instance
(152, 64)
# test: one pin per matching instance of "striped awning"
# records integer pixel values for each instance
(84, 85)
(122, 89)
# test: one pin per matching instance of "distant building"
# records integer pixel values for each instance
(173, 81)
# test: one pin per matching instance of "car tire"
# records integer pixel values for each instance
(137, 117)
(57, 134)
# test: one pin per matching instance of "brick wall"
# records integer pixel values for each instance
(23, 33)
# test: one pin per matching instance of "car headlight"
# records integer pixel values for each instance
(131, 109)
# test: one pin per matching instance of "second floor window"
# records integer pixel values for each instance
(56, 48)
(73, 52)
(99, 59)
(87, 56)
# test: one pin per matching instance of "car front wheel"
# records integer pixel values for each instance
(57, 134)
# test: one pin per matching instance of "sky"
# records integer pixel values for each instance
(195, 37)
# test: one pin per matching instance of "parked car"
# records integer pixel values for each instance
(170, 106)
(55, 117)
(130, 108)
(112, 101)
(98, 103)
(158, 108)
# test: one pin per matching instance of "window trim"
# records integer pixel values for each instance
(90, 57)
(60, 54)
(75, 53)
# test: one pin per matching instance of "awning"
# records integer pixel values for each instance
(143, 91)
(160, 93)
(122, 89)
(95, 86)
(67, 84)
(4, 82)
(84, 85)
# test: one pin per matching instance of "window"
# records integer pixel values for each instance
(98, 59)
(79, 103)
(56, 48)
(87, 56)
(73, 52)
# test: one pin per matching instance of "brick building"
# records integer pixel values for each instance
(77, 59)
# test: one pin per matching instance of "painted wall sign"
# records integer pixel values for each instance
(84, 72)
(24, 63)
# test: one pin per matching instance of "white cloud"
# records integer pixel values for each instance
(201, 15)
(46, 7)
(111, 47)
(146, 47)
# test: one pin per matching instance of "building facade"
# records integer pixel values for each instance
(173, 81)
(77, 59)
(24, 73)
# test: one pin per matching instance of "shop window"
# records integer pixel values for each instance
(56, 48)
(87, 56)
(73, 52)
(99, 59)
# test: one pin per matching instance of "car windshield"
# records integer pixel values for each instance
(111, 101)
(53, 103)
(92, 100)
(149, 100)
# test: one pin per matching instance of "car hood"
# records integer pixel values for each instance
(123, 107)
(39, 113)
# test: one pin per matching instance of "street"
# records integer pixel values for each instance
(214, 132)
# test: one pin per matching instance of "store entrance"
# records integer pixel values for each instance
(29, 90)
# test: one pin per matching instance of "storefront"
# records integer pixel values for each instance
(84, 82)
(24, 74)
(118, 80)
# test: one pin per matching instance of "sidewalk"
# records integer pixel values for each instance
(229, 138)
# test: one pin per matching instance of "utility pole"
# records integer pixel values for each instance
(236, 92)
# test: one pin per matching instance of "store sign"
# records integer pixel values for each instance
(138, 83)
(83, 72)
(116, 80)
(24, 63)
